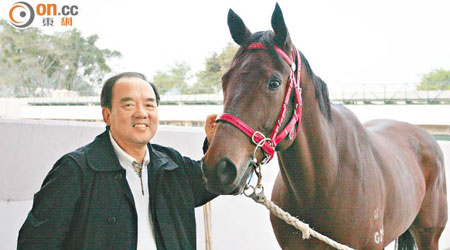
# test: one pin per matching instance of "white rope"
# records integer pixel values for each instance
(291, 220)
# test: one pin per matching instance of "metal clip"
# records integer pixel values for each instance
(255, 192)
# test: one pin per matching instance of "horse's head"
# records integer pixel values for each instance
(261, 101)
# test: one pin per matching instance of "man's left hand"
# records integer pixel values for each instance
(210, 126)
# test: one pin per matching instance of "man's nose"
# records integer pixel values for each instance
(140, 111)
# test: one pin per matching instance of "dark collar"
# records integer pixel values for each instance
(101, 156)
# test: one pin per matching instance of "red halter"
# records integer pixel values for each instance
(268, 144)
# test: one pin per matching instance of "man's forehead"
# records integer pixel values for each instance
(132, 86)
(131, 79)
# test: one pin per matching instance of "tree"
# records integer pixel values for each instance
(21, 53)
(216, 65)
(32, 62)
(86, 63)
(436, 80)
(174, 80)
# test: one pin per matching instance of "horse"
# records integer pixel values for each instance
(362, 185)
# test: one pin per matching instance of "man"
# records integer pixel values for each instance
(120, 191)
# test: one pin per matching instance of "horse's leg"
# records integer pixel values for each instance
(431, 220)
(427, 229)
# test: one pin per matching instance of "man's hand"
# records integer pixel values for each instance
(210, 126)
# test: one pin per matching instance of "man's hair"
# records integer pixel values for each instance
(106, 96)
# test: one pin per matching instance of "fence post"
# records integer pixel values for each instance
(207, 221)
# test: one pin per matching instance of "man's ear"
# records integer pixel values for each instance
(106, 112)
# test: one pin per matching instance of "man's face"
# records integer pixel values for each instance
(133, 117)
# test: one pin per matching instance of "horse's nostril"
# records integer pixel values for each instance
(225, 171)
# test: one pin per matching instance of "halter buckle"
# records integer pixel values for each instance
(264, 138)
(260, 144)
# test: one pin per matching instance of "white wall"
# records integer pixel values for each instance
(415, 114)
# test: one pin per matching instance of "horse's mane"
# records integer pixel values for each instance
(321, 88)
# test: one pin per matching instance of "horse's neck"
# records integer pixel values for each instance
(309, 165)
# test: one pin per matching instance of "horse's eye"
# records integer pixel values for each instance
(274, 83)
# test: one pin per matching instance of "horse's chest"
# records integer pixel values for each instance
(341, 222)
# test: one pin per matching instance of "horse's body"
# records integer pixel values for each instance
(361, 185)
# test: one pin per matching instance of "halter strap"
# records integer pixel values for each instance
(268, 144)
(256, 136)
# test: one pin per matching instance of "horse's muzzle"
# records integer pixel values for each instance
(223, 177)
(220, 178)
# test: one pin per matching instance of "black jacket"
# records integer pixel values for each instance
(85, 202)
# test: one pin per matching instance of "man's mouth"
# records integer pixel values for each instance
(140, 125)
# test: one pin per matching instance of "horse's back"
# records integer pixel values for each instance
(407, 150)
(390, 136)
(393, 147)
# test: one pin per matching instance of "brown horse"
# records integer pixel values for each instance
(361, 185)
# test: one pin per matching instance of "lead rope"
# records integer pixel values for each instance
(307, 232)
(256, 193)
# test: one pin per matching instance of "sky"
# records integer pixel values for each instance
(345, 42)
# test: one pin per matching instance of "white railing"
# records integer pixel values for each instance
(344, 93)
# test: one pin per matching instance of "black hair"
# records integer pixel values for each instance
(106, 95)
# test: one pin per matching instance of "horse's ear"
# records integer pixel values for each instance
(238, 30)
(279, 27)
